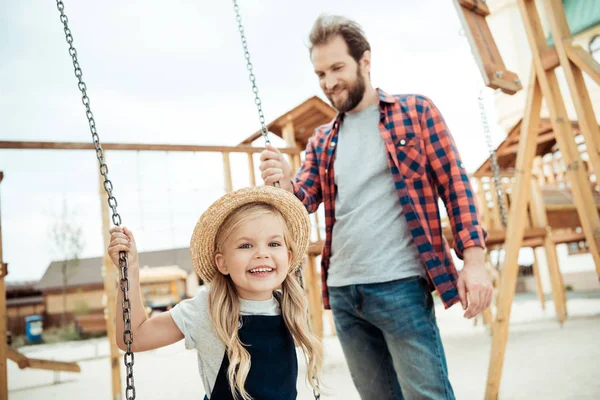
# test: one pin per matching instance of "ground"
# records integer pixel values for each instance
(543, 361)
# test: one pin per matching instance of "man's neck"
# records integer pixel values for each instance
(370, 98)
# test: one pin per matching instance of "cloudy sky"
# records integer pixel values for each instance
(174, 72)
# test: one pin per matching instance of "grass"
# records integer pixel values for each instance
(54, 335)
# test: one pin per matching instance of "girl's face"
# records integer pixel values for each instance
(256, 257)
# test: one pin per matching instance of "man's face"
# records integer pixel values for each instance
(340, 76)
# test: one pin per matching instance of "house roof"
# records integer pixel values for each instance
(581, 15)
(89, 270)
(305, 118)
(506, 152)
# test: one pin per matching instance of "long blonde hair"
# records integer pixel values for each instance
(224, 308)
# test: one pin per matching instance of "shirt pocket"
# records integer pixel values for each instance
(410, 155)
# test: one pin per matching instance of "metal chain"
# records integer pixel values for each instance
(494, 161)
(250, 67)
(261, 117)
(128, 358)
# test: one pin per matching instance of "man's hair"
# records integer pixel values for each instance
(326, 27)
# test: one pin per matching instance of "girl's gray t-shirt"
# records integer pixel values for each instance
(192, 318)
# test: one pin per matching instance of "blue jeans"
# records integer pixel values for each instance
(391, 341)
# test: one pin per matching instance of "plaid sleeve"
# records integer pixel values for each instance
(307, 184)
(452, 180)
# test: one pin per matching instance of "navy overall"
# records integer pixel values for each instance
(274, 368)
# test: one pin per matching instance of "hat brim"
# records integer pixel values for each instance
(202, 243)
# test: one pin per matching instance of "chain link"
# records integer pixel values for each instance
(250, 67)
(261, 117)
(494, 161)
(128, 358)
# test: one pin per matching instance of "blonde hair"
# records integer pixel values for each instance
(224, 308)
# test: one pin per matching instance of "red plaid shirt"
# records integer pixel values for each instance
(425, 165)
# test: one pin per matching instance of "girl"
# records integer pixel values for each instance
(245, 327)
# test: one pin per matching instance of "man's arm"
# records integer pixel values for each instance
(474, 284)
(452, 181)
(307, 183)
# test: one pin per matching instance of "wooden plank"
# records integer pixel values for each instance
(584, 61)
(227, 173)
(53, 365)
(34, 363)
(516, 220)
(313, 292)
(17, 357)
(484, 49)
(251, 169)
(577, 87)
(20, 145)
(110, 275)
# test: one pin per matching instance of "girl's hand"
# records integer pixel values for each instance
(121, 239)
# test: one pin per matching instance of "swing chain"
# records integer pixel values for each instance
(494, 162)
(250, 67)
(128, 357)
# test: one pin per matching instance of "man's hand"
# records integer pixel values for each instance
(274, 168)
(475, 288)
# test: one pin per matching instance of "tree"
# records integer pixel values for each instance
(68, 242)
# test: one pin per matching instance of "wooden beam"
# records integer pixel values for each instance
(538, 281)
(491, 66)
(313, 292)
(110, 276)
(251, 170)
(34, 363)
(580, 184)
(515, 230)
(584, 61)
(577, 87)
(550, 59)
(476, 6)
(538, 215)
(20, 145)
(227, 173)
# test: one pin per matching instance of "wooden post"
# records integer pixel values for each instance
(538, 280)
(514, 236)
(3, 344)
(251, 169)
(482, 204)
(579, 93)
(289, 135)
(538, 215)
(563, 132)
(313, 292)
(110, 288)
(227, 172)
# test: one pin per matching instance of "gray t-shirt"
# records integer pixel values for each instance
(192, 318)
(371, 241)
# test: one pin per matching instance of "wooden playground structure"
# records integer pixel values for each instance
(546, 204)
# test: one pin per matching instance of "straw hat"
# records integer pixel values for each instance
(202, 244)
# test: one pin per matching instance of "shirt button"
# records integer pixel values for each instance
(332, 144)
(402, 142)
(326, 171)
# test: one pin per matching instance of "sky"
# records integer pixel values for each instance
(175, 73)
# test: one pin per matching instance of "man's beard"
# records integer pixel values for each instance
(355, 91)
